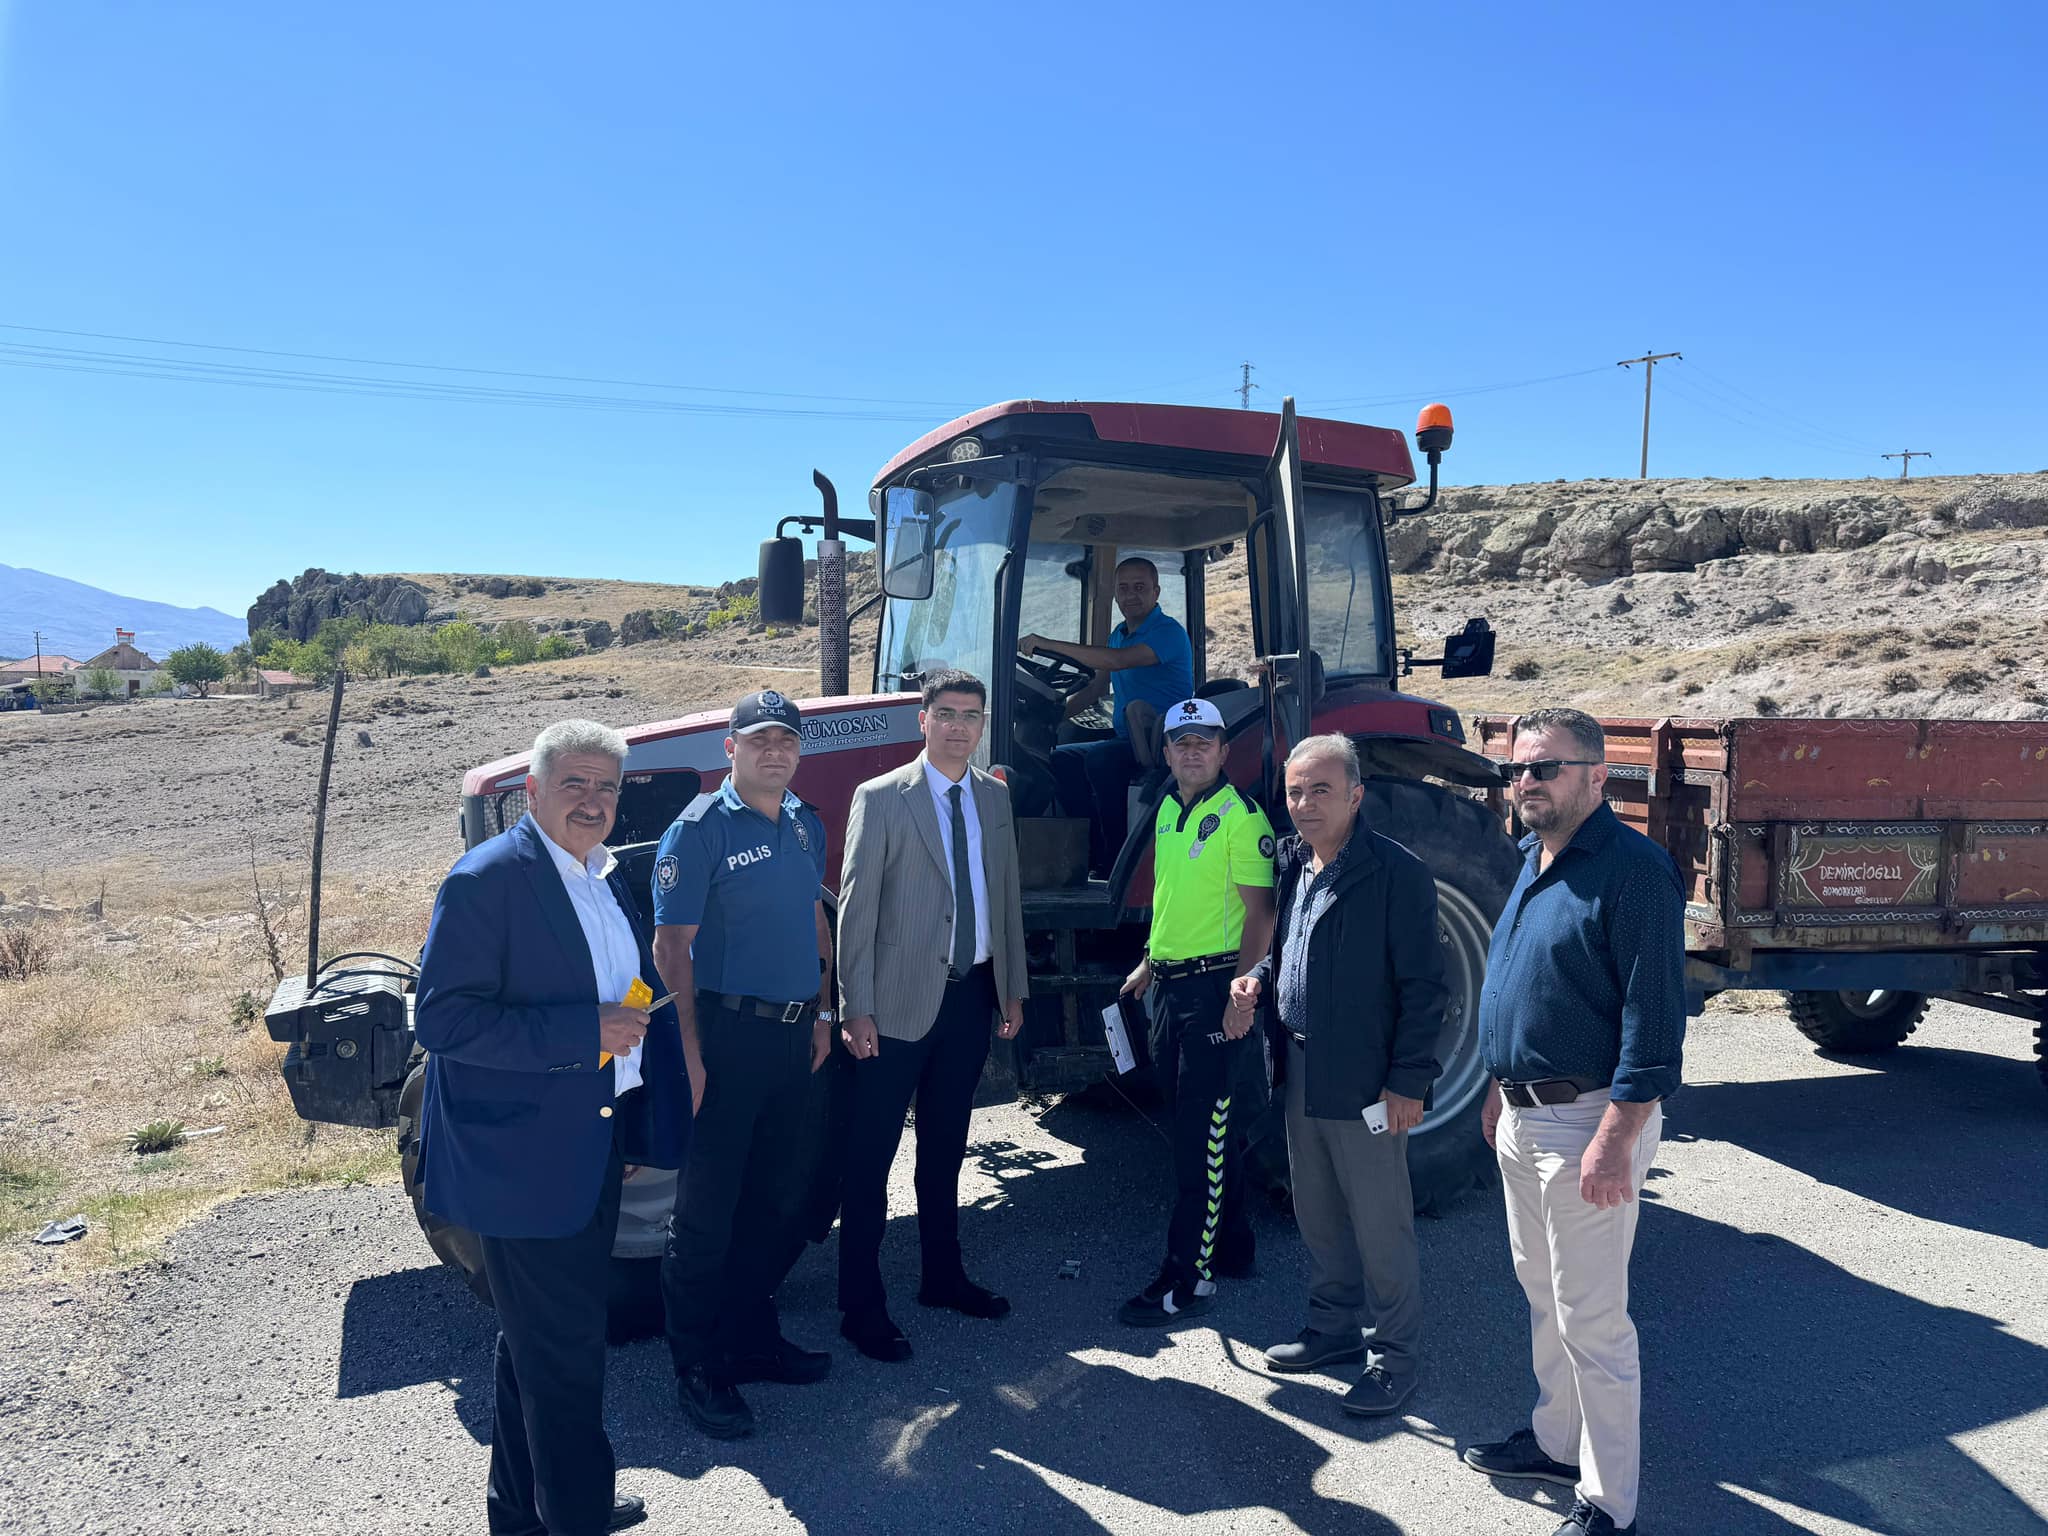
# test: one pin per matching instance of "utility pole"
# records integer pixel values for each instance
(1650, 360)
(1245, 388)
(1906, 459)
(39, 655)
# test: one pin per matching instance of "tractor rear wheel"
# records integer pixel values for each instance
(1858, 1023)
(1475, 864)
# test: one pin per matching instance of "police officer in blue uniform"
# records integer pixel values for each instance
(742, 941)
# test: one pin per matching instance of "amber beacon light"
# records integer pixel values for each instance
(1433, 430)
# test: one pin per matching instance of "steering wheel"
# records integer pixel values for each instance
(1061, 675)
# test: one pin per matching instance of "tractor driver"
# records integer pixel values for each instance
(1149, 660)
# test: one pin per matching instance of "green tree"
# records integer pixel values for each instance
(242, 662)
(261, 643)
(196, 666)
(52, 690)
(557, 648)
(387, 650)
(100, 683)
(463, 647)
(516, 642)
(302, 659)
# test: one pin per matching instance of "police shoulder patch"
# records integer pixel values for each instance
(695, 810)
(666, 869)
(1266, 846)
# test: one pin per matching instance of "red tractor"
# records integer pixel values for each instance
(1268, 535)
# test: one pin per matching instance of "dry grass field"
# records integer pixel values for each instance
(145, 1005)
(138, 920)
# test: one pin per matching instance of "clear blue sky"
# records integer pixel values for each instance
(1837, 212)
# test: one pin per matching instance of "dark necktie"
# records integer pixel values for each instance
(963, 891)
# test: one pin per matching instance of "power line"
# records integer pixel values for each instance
(1750, 422)
(499, 373)
(1906, 459)
(135, 365)
(1649, 360)
(1366, 402)
(1699, 374)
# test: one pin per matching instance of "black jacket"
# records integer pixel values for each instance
(1376, 989)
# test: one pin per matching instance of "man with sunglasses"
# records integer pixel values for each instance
(1581, 1025)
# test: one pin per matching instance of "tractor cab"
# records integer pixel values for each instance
(1267, 537)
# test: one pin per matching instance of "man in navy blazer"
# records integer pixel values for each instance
(543, 1092)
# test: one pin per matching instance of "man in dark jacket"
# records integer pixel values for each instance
(543, 1088)
(1354, 995)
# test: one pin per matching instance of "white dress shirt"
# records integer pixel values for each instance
(614, 951)
(942, 800)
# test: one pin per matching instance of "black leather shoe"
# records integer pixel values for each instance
(965, 1297)
(1589, 1520)
(627, 1509)
(790, 1364)
(1520, 1456)
(874, 1335)
(714, 1406)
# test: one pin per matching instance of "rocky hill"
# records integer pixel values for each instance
(1727, 597)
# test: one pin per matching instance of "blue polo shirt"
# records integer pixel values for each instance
(1586, 973)
(750, 885)
(1161, 685)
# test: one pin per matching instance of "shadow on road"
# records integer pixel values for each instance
(1766, 1367)
(1957, 1137)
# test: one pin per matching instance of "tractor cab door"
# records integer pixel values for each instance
(1278, 553)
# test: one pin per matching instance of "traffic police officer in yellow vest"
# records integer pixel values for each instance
(1212, 920)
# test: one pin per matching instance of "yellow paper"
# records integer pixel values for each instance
(638, 995)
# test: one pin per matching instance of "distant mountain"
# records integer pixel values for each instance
(77, 620)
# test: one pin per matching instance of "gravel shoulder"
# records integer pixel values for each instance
(1837, 1278)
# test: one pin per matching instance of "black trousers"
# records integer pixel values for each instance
(939, 1072)
(733, 1234)
(1212, 1086)
(551, 1461)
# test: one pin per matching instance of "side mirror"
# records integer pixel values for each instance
(1469, 653)
(782, 581)
(908, 521)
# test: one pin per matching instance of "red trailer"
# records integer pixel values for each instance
(1864, 866)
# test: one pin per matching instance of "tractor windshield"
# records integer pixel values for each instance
(1345, 614)
(956, 626)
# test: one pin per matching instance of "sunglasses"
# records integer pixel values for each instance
(1546, 770)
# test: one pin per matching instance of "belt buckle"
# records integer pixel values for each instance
(793, 1013)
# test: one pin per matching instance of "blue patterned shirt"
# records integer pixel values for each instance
(1311, 900)
(1586, 973)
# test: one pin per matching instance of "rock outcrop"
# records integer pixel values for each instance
(298, 608)
(1598, 530)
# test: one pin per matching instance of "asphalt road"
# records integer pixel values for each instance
(1839, 1278)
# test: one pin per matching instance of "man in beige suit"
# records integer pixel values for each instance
(931, 939)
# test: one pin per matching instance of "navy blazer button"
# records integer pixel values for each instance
(606, 1111)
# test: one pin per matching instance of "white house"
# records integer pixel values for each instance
(133, 668)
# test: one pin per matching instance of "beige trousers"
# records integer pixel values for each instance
(1572, 1260)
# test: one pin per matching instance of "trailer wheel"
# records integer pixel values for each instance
(456, 1247)
(1858, 1023)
